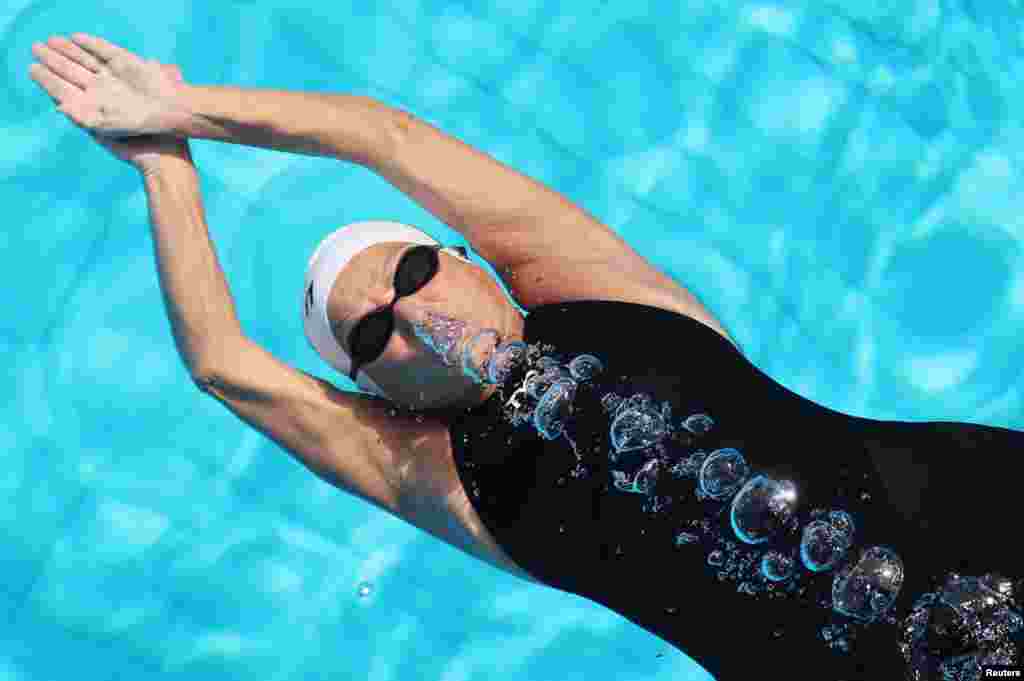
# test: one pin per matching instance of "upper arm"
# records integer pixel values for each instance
(509, 218)
(348, 439)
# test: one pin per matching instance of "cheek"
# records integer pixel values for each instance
(401, 352)
(411, 356)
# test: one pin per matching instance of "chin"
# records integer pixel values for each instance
(470, 396)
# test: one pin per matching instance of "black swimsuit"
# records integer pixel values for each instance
(653, 517)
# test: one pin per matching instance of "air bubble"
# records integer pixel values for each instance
(777, 567)
(636, 428)
(823, 545)
(723, 472)
(698, 424)
(537, 383)
(554, 408)
(762, 508)
(867, 587)
(505, 358)
(546, 363)
(968, 623)
(585, 367)
(684, 538)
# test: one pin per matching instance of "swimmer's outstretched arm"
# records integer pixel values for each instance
(458, 182)
(507, 216)
(510, 219)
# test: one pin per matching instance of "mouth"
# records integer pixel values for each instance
(448, 339)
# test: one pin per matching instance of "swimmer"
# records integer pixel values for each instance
(655, 471)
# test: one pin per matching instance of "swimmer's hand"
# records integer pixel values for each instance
(108, 90)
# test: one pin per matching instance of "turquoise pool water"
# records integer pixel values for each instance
(838, 182)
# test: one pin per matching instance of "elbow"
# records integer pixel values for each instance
(202, 380)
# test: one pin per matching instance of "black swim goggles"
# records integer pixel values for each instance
(370, 335)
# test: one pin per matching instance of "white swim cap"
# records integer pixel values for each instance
(333, 253)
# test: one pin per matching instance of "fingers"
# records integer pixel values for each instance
(70, 71)
(59, 89)
(99, 48)
(74, 53)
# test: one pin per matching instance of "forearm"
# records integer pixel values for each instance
(349, 127)
(196, 294)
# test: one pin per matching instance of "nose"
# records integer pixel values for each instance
(409, 338)
(404, 344)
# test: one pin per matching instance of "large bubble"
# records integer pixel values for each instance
(970, 622)
(637, 428)
(823, 543)
(867, 587)
(554, 408)
(762, 508)
(723, 472)
(585, 367)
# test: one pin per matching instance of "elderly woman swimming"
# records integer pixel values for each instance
(614, 442)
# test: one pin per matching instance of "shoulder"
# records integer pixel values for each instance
(626, 277)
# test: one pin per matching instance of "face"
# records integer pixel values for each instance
(460, 301)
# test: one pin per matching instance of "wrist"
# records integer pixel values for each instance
(181, 118)
(161, 166)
